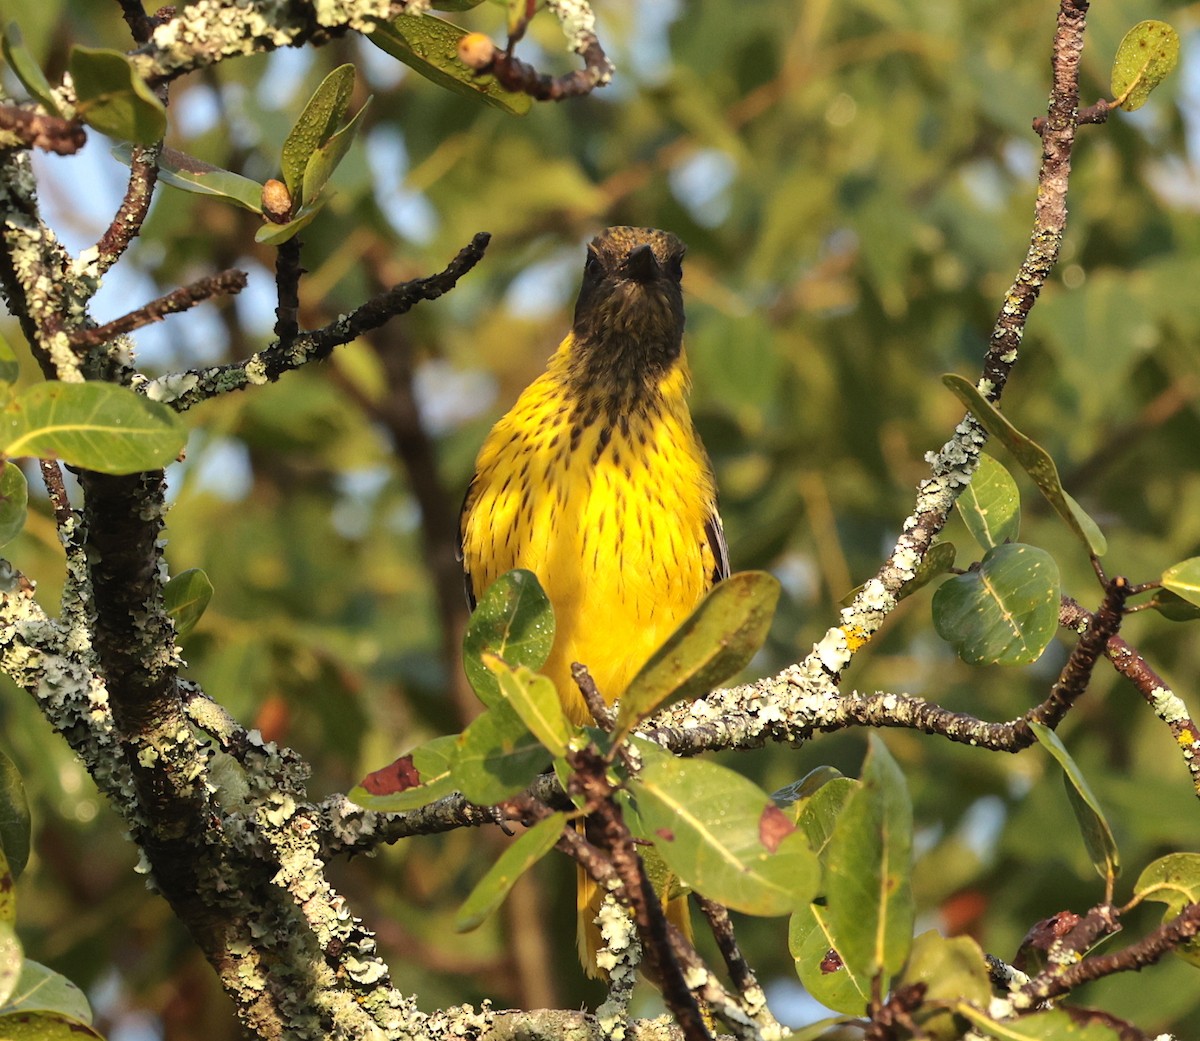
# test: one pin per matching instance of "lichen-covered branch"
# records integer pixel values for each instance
(210, 31)
(1167, 705)
(952, 466)
(38, 281)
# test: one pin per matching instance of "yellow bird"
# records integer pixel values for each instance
(597, 482)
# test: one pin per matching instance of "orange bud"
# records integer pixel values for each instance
(476, 51)
(276, 202)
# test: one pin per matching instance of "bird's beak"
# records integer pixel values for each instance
(642, 265)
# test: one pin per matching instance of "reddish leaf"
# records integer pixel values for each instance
(397, 777)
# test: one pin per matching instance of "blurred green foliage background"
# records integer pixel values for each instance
(855, 184)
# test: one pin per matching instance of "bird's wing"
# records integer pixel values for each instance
(716, 542)
(467, 503)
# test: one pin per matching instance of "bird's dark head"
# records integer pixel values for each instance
(629, 316)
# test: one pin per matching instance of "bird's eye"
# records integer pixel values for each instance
(675, 267)
(592, 265)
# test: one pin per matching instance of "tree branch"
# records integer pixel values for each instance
(39, 130)
(184, 390)
(131, 214)
(1063, 976)
(225, 283)
(953, 465)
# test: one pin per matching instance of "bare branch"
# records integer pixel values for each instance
(184, 390)
(226, 283)
(131, 215)
(287, 288)
(1063, 976)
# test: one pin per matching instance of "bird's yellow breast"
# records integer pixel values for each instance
(609, 510)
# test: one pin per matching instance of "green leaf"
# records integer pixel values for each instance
(1034, 460)
(423, 776)
(951, 970)
(868, 888)
(1097, 835)
(25, 67)
(1183, 579)
(324, 159)
(821, 1029)
(535, 700)
(430, 46)
(1174, 607)
(820, 967)
(520, 856)
(45, 1026)
(11, 958)
(819, 813)
(1054, 1025)
(10, 368)
(278, 234)
(97, 426)
(497, 756)
(991, 505)
(14, 817)
(113, 98)
(1173, 880)
(514, 621)
(1145, 57)
(716, 640)
(795, 794)
(40, 989)
(186, 172)
(14, 502)
(721, 834)
(186, 596)
(1003, 612)
(316, 125)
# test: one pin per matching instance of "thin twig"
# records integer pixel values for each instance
(228, 282)
(599, 708)
(287, 288)
(56, 490)
(1167, 705)
(1092, 114)
(141, 25)
(753, 998)
(579, 26)
(131, 215)
(589, 778)
(518, 75)
(1077, 673)
(39, 130)
(1064, 977)
(184, 390)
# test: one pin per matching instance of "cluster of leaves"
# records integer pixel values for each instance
(720, 842)
(832, 853)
